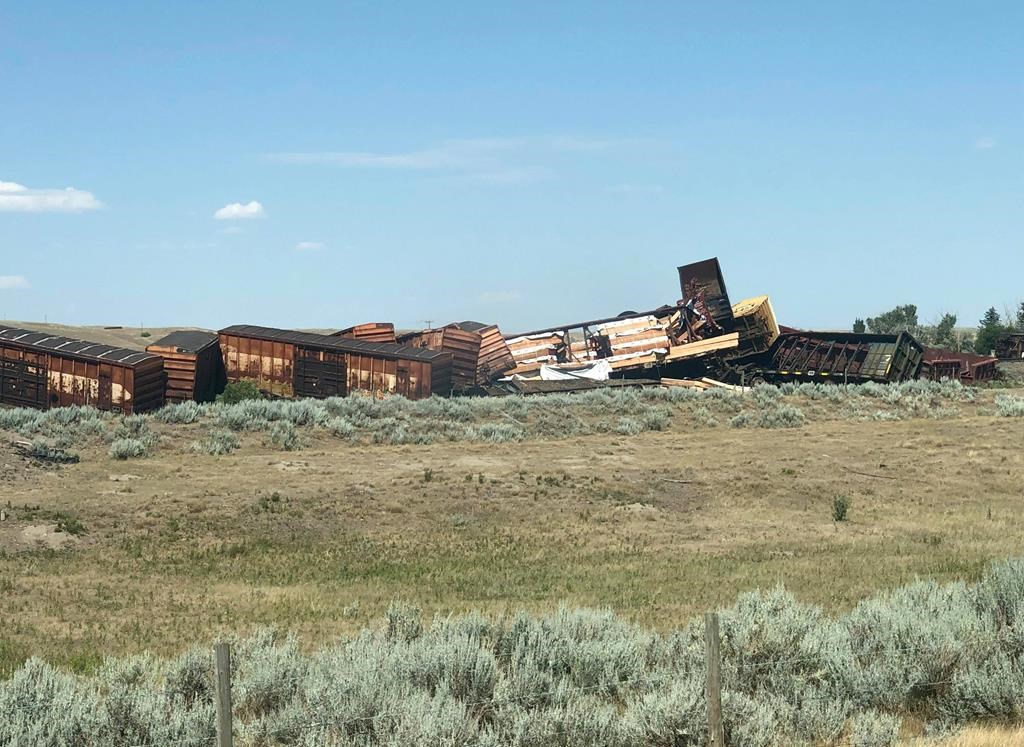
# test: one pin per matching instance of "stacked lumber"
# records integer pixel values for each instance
(701, 348)
(464, 347)
(704, 383)
(529, 350)
(370, 332)
(581, 351)
(643, 334)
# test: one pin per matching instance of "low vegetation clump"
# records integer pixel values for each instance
(775, 416)
(239, 391)
(47, 452)
(127, 448)
(840, 507)
(284, 435)
(217, 443)
(181, 413)
(1009, 406)
(69, 524)
(945, 655)
(396, 420)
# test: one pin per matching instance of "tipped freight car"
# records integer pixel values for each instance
(838, 357)
(287, 363)
(41, 370)
(193, 364)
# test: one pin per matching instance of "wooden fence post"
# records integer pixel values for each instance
(713, 691)
(222, 655)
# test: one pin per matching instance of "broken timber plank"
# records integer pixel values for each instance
(703, 347)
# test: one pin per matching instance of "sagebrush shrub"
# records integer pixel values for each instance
(1009, 406)
(217, 443)
(791, 675)
(283, 434)
(181, 413)
(127, 448)
(873, 729)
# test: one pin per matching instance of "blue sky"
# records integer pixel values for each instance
(321, 164)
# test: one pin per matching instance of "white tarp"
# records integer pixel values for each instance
(596, 371)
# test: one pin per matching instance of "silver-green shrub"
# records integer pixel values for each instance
(947, 654)
(284, 434)
(1009, 406)
(219, 442)
(127, 448)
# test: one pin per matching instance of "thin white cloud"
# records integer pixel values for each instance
(452, 154)
(496, 160)
(499, 296)
(13, 282)
(238, 211)
(230, 230)
(526, 175)
(309, 246)
(17, 198)
(636, 189)
(985, 143)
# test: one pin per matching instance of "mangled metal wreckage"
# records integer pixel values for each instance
(701, 340)
(705, 340)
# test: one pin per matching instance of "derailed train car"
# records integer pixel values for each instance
(837, 357)
(286, 363)
(38, 369)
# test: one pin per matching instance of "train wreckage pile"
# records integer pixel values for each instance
(705, 340)
(702, 340)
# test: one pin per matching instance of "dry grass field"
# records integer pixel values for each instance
(179, 547)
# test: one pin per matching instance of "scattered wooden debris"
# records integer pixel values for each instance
(45, 453)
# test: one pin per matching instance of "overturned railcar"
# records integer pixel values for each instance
(838, 357)
(287, 363)
(193, 365)
(939, 364)
(41, 370)
(703, 282)
(463, 345)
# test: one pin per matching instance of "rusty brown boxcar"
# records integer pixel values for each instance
(41, 370)
(193, 365)
(495, 357)
(287, 363)
(464, 347)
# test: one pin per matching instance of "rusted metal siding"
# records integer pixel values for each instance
(269, 363)
(706, 277)
(193, 366)
(969, 368)
(464, 347)
(495, 357)
(370, 331)
(33, 375)
(269, 355)
(441, 377)
(319, 373)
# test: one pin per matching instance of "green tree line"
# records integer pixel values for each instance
(944, 333)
